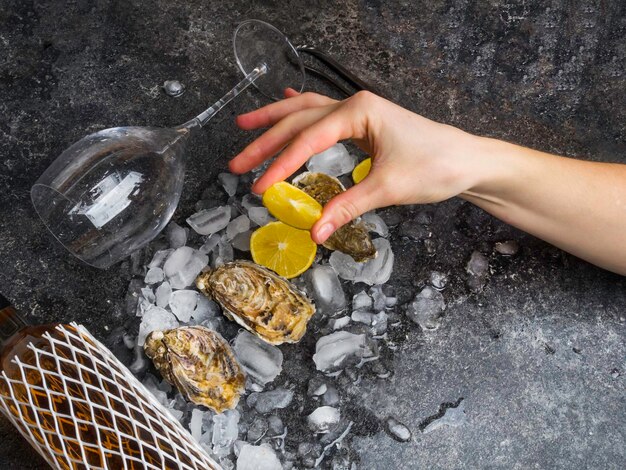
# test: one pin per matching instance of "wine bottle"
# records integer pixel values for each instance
(80, 407)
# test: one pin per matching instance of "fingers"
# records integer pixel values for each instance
(326, 132)
(290, 93)
(273, 140)
(347, 206)
(272, 113)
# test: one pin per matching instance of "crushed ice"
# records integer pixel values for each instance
(350, 327)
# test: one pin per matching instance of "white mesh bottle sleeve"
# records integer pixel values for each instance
(80, 407)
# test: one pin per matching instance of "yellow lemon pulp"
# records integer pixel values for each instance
(292, 205)
(286, 250)
(361, 170)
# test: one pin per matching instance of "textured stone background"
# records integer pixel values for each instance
(546, 74)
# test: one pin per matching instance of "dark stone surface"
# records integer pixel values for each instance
(532, 355)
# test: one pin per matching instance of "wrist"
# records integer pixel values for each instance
(494, 169)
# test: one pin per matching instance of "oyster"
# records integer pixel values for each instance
(200, 363)
(259, 300)
(353, 238)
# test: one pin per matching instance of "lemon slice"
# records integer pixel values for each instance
(361, 170)
(292, 205)
(285, 250)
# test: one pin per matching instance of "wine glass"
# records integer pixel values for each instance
(115, 190)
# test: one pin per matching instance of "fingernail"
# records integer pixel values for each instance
(324, 232)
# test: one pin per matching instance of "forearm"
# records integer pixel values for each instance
(576, 205)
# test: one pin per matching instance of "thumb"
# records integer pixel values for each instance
(347, 206)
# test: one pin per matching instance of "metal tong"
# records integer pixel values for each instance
(354, 82)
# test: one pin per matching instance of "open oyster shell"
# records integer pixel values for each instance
(259, 300)
(200, 363)
(353, 238)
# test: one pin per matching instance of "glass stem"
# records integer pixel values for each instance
(205, 116)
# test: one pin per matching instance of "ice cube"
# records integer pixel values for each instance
(260, 360)
(210, 244)
(374, 271)
(397, 430)
(452, 417)
(412, 229)
(237, 446)
(209, 221)
(438, 280)
(265, 402)
(153, 276)
(236, 226)
(229, 182)
(427, 308)
(183, 304)
(341, 349)
(140, 363)
(163, 293)
(338, 323)
(224, 254)
(133, 293)
(143, 305)
(334, 438)
(477, 269)
(195, 425)
(379, 323)
(260, 216)
(323, 419)
(257, 429)
(275, 425)
(326, 290)
(225, 432)
(249, 201)
(205, 309)
(308, 452)
(241, 241)
(148, 294)
(316, 387)
(155, 318)
(507, 248)
(375, 224)
(159, 258)
(331, 397)
(152, 385)
(376, 292)
(363, 316)
(334, 161)
(177, 414)
(173, 88)
(361, 301)
(260, 457)
(176, 235)
(183, 266)
(129, 340)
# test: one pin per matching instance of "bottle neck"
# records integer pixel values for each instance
(10, 321)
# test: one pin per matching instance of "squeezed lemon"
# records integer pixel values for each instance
(292, 205)
(361, 170)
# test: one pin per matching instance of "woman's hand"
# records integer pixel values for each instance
(414, 160)
(577, 205)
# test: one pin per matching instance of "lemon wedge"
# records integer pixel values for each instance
(286, 250)
(292, 205)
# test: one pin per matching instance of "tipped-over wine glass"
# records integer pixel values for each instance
(115, 190)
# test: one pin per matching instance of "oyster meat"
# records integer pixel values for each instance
(353, 238)
(259, 300)
(200, 363)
